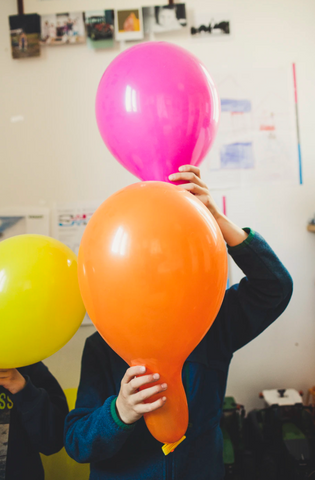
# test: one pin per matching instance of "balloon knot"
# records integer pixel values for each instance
(170, 447)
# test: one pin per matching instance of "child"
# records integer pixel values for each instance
(106, 428)
(23, 42)
(33, 409)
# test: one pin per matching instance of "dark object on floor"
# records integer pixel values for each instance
(282, 436)
(238, 459)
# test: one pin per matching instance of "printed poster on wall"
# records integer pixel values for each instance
(69, 223)
(20, 221)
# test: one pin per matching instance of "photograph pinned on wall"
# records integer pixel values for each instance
(100, 28)
(164, 18)
(25, 35)
(129, 24)
(62, 28)
(208, 25)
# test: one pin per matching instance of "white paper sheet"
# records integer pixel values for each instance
(69, 222)
(23, 220)
(257, 139)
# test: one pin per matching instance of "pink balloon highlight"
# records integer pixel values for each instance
(157, 108)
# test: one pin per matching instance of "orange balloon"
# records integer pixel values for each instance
(152, 273)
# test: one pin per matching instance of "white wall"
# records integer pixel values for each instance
(56, 154)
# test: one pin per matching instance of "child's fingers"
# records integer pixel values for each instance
(142, 408)
(132, 372)
(140, 397)
(195, 189)
(190, 168)
(138, 382)
(189, 177)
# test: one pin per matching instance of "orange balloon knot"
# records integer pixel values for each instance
(170, 447)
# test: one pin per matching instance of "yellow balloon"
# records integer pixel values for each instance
(40, 302)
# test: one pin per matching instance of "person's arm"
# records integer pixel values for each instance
(251, 306)
(12, 380)
(232, 234)
(101, 423)
(41, 405)
(261, 296)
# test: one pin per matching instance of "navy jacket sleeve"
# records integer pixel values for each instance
(261, 296)
(93, 431)
(42, 408)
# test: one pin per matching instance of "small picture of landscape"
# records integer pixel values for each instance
(25, 35)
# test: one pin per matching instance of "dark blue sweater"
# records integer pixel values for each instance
(94, 433)
(37, 415)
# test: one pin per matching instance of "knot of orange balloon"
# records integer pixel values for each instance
(170, 447)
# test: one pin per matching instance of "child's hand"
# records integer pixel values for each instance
(196, 186)
(232, 234)
(12, 380)
(129, 403)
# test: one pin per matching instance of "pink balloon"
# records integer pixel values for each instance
(157, 108)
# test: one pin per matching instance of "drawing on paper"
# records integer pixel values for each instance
(257, 137)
